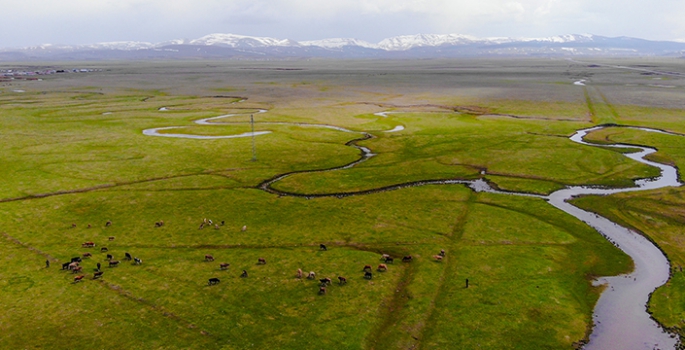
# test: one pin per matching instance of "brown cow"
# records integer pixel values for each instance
(114, 263)
(407, 258)
(159, 223)
(299, 273)
(367, 268)
(382, 267)
(111, 238)
(98, 274)
(224, 266)
(209, 258)
(88, 245)
(342, 280)
(108, 223)
(87, 255)
(77, 269)
(437, 257)
(78, 278)
(261, 261)
(322, 290)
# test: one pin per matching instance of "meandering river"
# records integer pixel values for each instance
(620, 316)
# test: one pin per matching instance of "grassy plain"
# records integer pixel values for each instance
(74, 152)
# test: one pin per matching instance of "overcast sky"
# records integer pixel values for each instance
(33, 22)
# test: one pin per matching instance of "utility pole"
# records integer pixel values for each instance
(254, 149)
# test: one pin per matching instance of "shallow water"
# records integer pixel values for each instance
(620, 316)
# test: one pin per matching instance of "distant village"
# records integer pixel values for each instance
(18, 74)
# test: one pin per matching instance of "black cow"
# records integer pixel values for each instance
(368, 275)
(128, 256)
(244, 274)
(77, 259)
(322, 247)
(213, 281)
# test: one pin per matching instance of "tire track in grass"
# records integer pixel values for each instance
(150, 305)
(31, 248)
(456, 237)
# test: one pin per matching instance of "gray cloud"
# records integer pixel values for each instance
(35, 22)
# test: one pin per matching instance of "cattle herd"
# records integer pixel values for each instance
(74, 264)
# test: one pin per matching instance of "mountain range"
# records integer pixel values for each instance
(232, 46)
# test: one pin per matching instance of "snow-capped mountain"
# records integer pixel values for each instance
(232, 40)
(217, 46)
(338, 43)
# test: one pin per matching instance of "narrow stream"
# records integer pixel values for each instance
(620, 316)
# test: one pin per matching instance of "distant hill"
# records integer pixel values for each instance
(231, 46)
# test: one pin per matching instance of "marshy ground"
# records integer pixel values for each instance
(74, 153)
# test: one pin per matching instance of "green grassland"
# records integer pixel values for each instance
(74, 153)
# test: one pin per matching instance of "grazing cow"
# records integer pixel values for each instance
(202, 225)
(137, 261)
(111, 238)
(114, 263)
(368, 275)
(311, 275)
(209, 258)
(244, 228)
(299, 273)
(216, 226)
(128, 256)
(73, 225)
(87, 245)
(325, 281)
(384, 256)
(244, 274)
(224, 266)
(109, 257)
(98, 266)
(367, 268)
(73, 265)
(437, 257)
(78, 278)
(103, 249)
(209, 221)
(47, 263)
(322, 247)
(407, 258)
(159, 223)
(65, 266)
(223, 222)
(382, 267)
(77, 269)
(87, 255)
(342, 280)
(76, 258)
(389, 260)
(442, 253)
(89, 226)
(213, 281)
(98, 274)
(261, 261)
(108, 223)
(322, 290)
